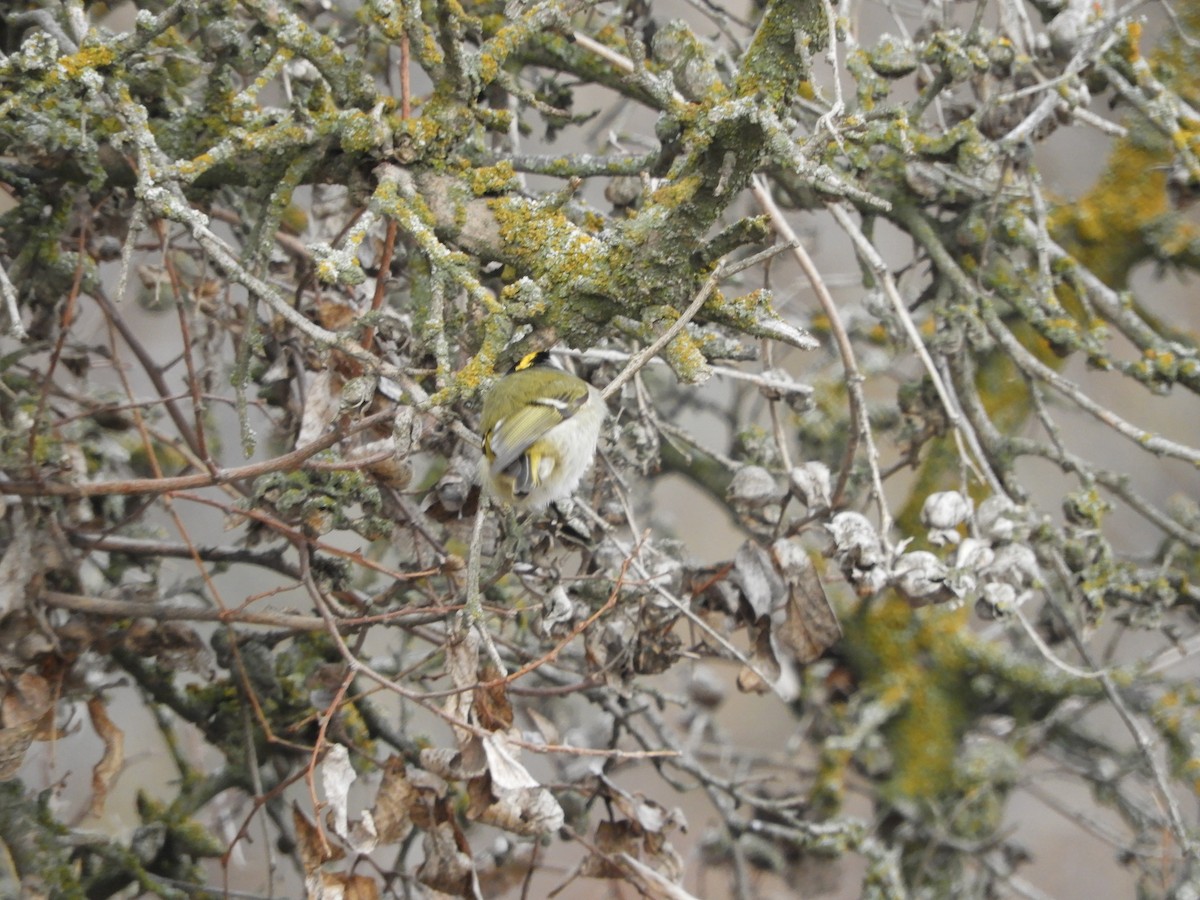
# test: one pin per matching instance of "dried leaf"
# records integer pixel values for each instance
(493, 710)
(807, 626)
(455, 765)
(322, 403)
(338, 886)
(661, 856)
(530, 812)
(649, 814)
(753, 487)
(27, 699)
(509, 797)
(507, 774)
(394, 803)
(462, 665)
(360, 887)
(557, 612)
(611, 838)
(108, 768)
(26, 715)
(314, 849)
(639, 837)
(762, 588)
(446, 867)
(336, 777)
(334, 313)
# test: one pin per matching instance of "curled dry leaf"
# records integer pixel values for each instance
(509, 797)
(26, 715)
(811, 484)
(393, 470)
(109, 767)
(493, 710)
(753, 487)
(322, 403)
(462, 665)
(557, 612)
(640, 835)
(336, 777)
(447, 868)
(806, 625)
(649, 814)
(620, 841)
(338, 886)
(791, 622)
(611, 838)
(942, 513)
(315, 851)
(529, 812)
(455, 765)
(394, 803)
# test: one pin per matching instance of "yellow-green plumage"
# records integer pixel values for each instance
(540, 427)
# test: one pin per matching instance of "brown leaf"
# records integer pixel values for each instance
(611, 838)
(28, 699)
(764, 675)
(334, 313)
(652, 884)
(109, 767)
(394, 803)
(314, 849)
(790, 622)
(446, 868)
(455, 765)
(507, 796)
(343, 887)
(662, 857)
(26, 715)
(809, 626)
(530, 812)
(651, 815)
(493, 710)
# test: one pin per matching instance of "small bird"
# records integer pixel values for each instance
(540, 428)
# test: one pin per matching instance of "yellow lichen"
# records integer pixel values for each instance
(914, 661)
(87, 58)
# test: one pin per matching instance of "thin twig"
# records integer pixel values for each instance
(132, 486)
(853, 376)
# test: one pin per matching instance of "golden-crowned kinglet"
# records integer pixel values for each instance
(540, 427)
